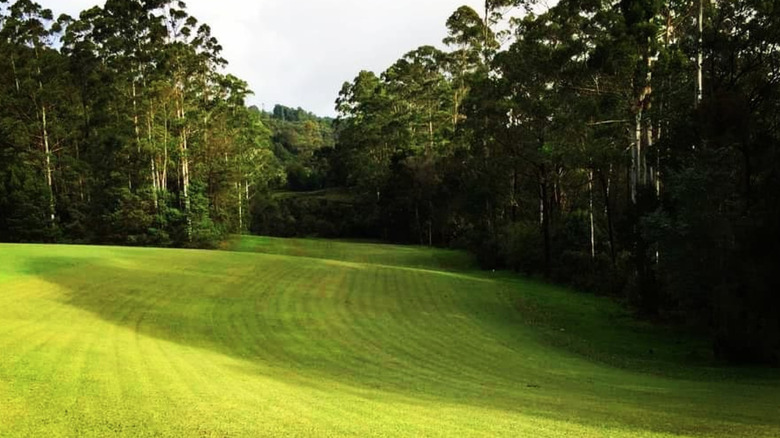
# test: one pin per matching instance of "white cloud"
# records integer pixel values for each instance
(299, 53)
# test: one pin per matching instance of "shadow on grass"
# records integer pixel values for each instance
(321, 328)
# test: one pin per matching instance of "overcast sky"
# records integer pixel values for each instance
(299, 53)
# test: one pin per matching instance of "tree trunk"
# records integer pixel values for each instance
(136, 128)
(649, 168)
(164, 171)
(47, 151)
(700, 56)
(185, 171)
(590, 213)
(430, 132)
(639, 170)
(514, 193)
(636, 156)
(240, 209)
(46, 147)
(185, 181)
(16, 77)
(605, 185)
(152, 158)
(455, 109)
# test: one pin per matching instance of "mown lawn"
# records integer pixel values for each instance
(360, 252)
(318, 338)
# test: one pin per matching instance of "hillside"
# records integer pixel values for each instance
(336, 338)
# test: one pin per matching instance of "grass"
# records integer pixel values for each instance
(317, 338)
(359, 252)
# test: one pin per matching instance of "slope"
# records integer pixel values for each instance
(102, 341)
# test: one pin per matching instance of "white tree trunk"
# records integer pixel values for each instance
(590, 212)
(47, 152)
(240, 209)
(185, 179)
(136, 128)
(152, 158)
(164, 170)
(636, 155)
(16, 77)
(700, 56)
(46, 146)
(185, 170)
(541, 205)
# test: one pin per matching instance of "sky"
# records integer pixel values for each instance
(299, 53)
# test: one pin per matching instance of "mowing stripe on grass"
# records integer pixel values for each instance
(149, 342)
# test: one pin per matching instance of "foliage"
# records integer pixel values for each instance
(301, 142)
(120, 127)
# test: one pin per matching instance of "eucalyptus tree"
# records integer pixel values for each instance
(256, 164)
(421, 99)
(423, 107)
(537, 76)
(364, 120)
(235, 156)
(468, 37)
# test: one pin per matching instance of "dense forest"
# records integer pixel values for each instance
(119, 127)
(627, 147)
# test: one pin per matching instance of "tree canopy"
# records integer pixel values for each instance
(120, 126)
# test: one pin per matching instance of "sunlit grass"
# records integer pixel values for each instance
(334, 338)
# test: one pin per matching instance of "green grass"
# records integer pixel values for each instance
(322, 338)
(356, 251)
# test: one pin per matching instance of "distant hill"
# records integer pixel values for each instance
(301, 141)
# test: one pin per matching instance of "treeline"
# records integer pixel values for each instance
(626, 147)
(120, 127)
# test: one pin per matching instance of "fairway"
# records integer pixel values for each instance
(317, 338)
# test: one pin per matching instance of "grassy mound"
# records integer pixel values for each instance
(319, 338)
